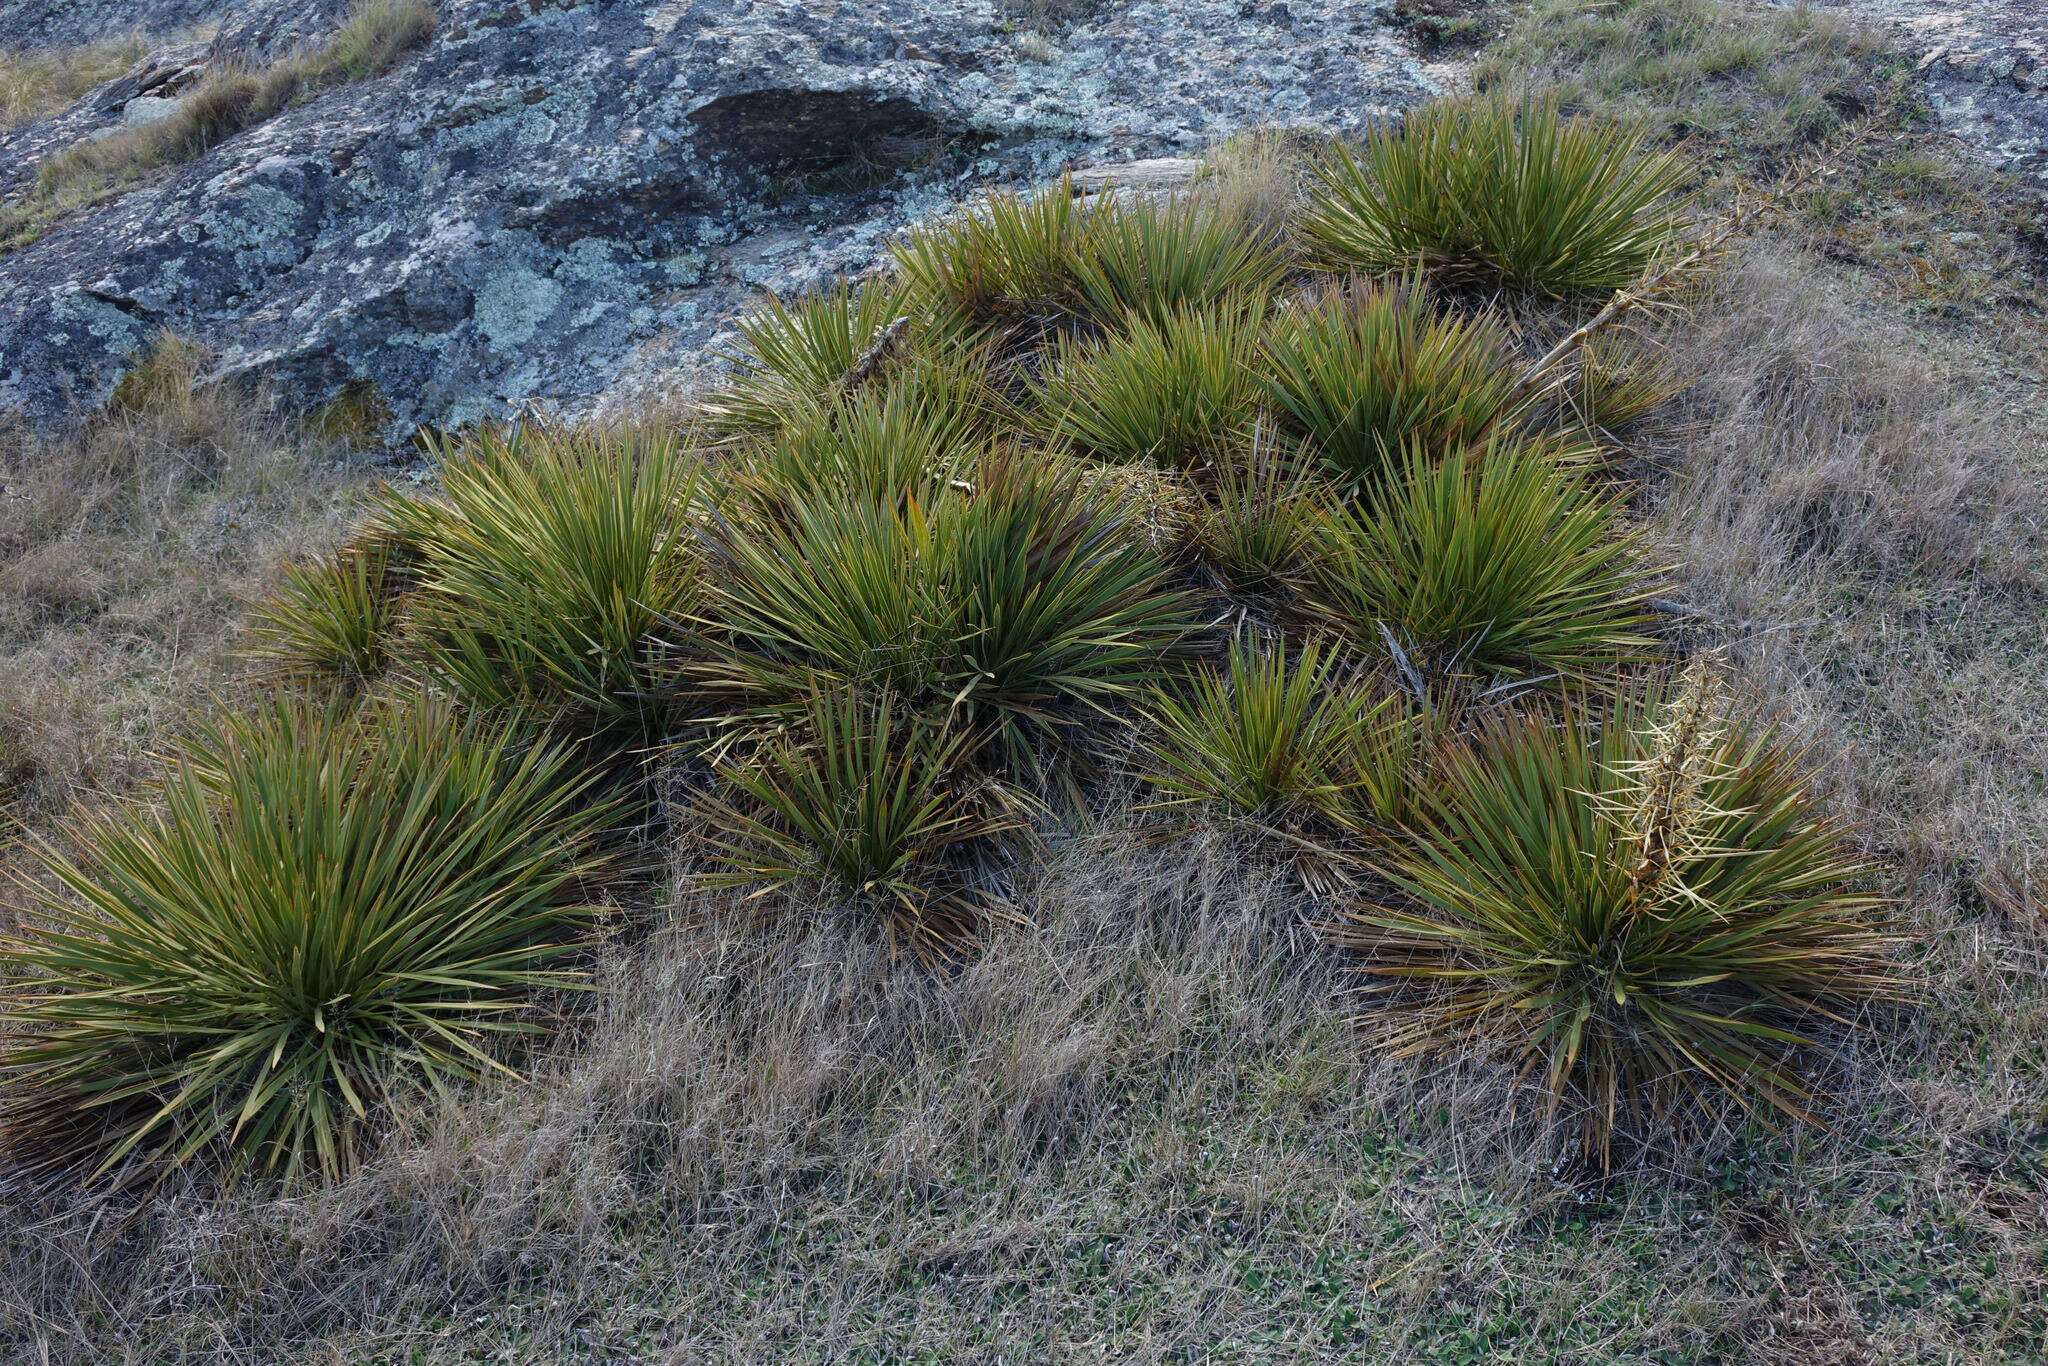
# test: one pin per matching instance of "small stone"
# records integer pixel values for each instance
(147, 109)
(1964, 239)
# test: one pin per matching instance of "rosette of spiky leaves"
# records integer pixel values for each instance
(884, 445)
(1050, 254)
(1367, 371)
(1001, 261)
(553, 566)
(1152, 259)
(1022, 604)
(862, 798)
(795, 355)
(1492, 190)
(1505, 559)
(334, 616)
(1268, 736)
(1176, 391)
(1261, 514)
(1648, 918)
(324, 905)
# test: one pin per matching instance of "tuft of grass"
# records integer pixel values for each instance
(333, 617)
(1020, 605)
(1257, 179)
(1367, 371)
(323, 911)
(1499, 560)
(1041, 257)
(800, 355)
(1646, 920)
(900, 440)
(35, 84)
(1619, 384)
(1490, 191)
(866, 800)
(1177, 392)
(377, 34)
(1271, 737)
(164, 380)
(1151, 259)
(549, 569)
(357, 417)
(1260, 516)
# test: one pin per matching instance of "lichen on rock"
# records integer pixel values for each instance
(561, 204)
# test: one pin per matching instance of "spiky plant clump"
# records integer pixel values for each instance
(1500, 560)
(553, 566)
(333, 617)
(884, 445)
(865, 799)
(797, 357)
(1176, 392)
(1020, 604)
(1152, 260)
(324, 908)
(1050, 254)
(1647, 919)
(1492, 190)
(1269, 736)
(1367, 371)
(999, 263)
(1261, 515)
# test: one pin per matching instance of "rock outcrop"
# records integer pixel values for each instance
(562, 204)
(1985, 68)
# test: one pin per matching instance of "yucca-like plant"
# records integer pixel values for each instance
(1367, 371)
(334, 616)
(1492, 190)
(1050, 254)
(865, 799)
(1498, 560)
(884, 444)
(1260, 516)
(1154, 259)
(1005, 260)
(1176, 392)
(1269, 736)
(798, 355)
(553, 566)
(1647, 919)
(323, 907)
(1020, 604)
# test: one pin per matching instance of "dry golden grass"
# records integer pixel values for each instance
(126, 552)
(1863, 529)
(34, 84)
(376, 35)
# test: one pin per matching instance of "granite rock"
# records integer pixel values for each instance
(562, 205)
